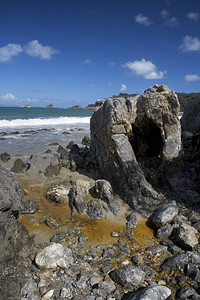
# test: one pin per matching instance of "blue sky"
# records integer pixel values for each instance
(68, 52)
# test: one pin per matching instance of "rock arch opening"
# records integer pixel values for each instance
(146, 140)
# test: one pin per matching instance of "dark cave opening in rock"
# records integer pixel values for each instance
(146, 140)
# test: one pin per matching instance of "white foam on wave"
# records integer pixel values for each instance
(44, 122)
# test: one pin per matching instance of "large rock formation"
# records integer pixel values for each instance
(15, 244)
(129, 132)
(190, 121)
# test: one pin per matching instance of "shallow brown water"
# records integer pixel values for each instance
(97, 231)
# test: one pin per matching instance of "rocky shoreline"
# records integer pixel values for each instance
(83, 241)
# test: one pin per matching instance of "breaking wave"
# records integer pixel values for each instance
(39, 122)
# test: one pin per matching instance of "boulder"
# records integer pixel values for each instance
(180, 261)
(11, 193)
(95, 209)
(164, 214)
(16, 246)
(131, 220)
(185, 236)
(64, 153)
(104, 288)
(128, 276)
(5, 156)
(104, 191)
(54, 168)
(187, 293)
(77, 199)
(125, 131)
(18, 166)
(58, 193)
(152, 292)
(86, 141)
(165, 231)
(54, 255)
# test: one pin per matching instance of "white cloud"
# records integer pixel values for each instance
(142, 20)
(190, 44)
(164, 14)
(193, 16)
(144, 68)
(8, 97)
(123, 87)
(192, 77)
(7, 52)
(34, 48)
(169, 21)
(87, 61)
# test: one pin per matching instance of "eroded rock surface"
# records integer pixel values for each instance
(128, 132)
(16, 247)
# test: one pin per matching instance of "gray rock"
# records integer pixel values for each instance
(11, 192)
(165, 231)
(74, 149)
(152, 292)
(5, 156)
(18, 166)
(29, 288)
(137, 259)
(52, 170)
(58, 237)
(86, 141)
(16, 247)
(197, 225)
(125, 129)
(64, 153)
(164, 214)
(95, 209)
(77, 199)
(128, 276)
(175, 249)
(185, 236)
(104, 288)
(131, 220)
(186, 293)
(58, 193)
(180, 261)
(54, 255)
(194, 216)
(29, 206)
(105, 192)
(188, 121)
(51, 222)
(156, 249)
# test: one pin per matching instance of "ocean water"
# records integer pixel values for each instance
(33, 130)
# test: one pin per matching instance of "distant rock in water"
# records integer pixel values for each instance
(49, 106)
(75, 107)
(127, 133)
(26, 106)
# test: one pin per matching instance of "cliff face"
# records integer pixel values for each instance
(126, 133)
